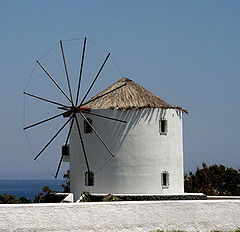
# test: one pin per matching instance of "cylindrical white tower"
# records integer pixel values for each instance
(148, 150)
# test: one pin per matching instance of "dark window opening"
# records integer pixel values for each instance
(65, 150)
(87, 127)
(163, 126)
(164, 179)
(89, 178)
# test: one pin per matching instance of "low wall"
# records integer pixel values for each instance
(200, 215)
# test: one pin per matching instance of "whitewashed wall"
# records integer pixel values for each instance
(142, 153)
(223, 215)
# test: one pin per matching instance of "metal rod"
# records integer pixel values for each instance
(44, 99)
(105, 145)
(53, 138)
(66, 71)
(69, 132)
(83, 148)
(59, 165)
(65, 108)
(102, 116)
(103, 95)
(81, 68)
(46, 120)
(95, 79)
(54, 81)
(61, 159)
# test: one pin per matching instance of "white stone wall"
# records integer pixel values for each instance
(142, 153)
(223, 215)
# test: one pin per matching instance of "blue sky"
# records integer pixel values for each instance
(185, 52)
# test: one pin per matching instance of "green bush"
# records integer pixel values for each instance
(11, 199)
(48, 196)
(213, 180)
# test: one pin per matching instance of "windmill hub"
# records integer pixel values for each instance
(84, 108)
(74, 109)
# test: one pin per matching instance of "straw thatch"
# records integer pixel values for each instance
(130, 96)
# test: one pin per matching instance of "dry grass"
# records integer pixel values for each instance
(129, 96)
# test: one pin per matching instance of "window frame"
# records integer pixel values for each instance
(165, 174)
(165, 121)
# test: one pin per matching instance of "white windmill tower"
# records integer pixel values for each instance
(148, 148)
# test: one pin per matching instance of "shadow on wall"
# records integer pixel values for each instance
(133, 117)
(120, 131)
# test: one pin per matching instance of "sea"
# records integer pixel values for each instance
(28, 188)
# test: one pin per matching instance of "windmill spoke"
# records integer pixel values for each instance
(69, 132)
(53, 137)
(80, 74)
(61, 159)
(103, 95)
(44, 99)
(59, 165)
(83, 148)
(95, 79)
(43, 121)
(102, 116)
(65, 66)
(105, 145)
(54, 81)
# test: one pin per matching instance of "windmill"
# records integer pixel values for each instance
(69, 112)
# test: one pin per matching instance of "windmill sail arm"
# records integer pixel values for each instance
(102, 116)
(53, 137)
(61, 159)
(66, 71)
(59, 165)
(94, 99)
(43, 121)
(83, 147)
(95, 79)
(54, 81)
(81, 68)
(44, 99)
(100, 138)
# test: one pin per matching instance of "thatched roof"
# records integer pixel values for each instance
(129, 96)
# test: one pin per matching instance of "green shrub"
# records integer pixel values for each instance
(11, 199)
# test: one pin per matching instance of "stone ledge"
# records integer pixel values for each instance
(144, 197)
